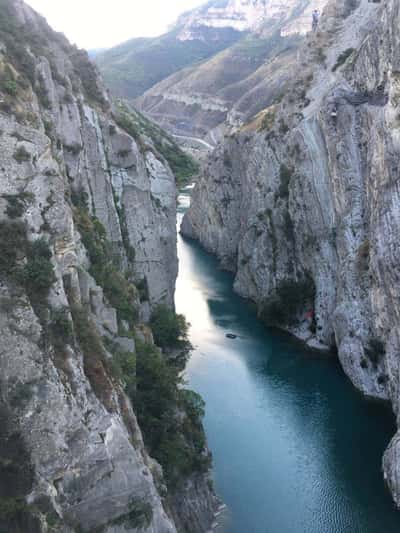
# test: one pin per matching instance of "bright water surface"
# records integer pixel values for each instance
(296, 449)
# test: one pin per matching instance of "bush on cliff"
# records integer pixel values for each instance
(290, 299)
(169, 329)
(169, 416)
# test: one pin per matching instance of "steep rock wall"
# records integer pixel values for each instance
(302, 203)
(88, 247)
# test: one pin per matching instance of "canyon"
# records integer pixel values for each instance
(301, 201)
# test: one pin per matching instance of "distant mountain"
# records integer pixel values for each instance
(132, 67)
(210, 68)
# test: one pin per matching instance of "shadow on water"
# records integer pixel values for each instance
(296, 448)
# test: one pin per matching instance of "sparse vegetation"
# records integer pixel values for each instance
(17, 203)
(95, 362)
(343, 57)
(285, 175)
(291, 297)
(37, 274)
(104, 264)
(375, 350)
(139, 516)
(268, 120)
(22, 155)
(13, 243)
(182, 165)
(87, 74)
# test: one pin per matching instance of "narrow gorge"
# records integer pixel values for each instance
(301, 202)
(272, 317)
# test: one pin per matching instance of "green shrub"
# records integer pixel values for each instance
(375, 350)
(169, 417)
(80, 199)
(268, 120)
(169, 329)
(86, 72)
(128, 125)
(139, 516)
(13, 241)
(290, 299)
(21, 155)
(182, 165)
(17, 203)
(285, 175)
(11, 508)
(10, 87)
(37, 274)
(343, 57)
(73, 149)
(61, 326)
(123, 366)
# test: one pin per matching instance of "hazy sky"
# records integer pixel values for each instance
(104, 23)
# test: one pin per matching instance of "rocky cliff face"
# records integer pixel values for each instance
(247, 15)
(87, 249)
(302, 202)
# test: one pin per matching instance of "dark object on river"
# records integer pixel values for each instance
(231, 336)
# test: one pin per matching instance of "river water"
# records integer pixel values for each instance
(296, 449)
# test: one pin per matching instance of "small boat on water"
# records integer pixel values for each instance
(231, 336)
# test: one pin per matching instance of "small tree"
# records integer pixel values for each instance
(169, 329)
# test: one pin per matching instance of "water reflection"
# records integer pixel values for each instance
(296, 449)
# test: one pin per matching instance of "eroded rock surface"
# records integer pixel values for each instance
(88, 248)
(302, 202)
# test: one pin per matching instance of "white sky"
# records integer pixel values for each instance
(105, 23)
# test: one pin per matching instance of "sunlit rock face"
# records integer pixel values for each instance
(98, 204)
(309, 190)
(249, 15)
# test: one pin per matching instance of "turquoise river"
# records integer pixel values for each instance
(296, 448)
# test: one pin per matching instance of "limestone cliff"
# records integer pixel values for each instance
(302, 201)
(87, 251)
